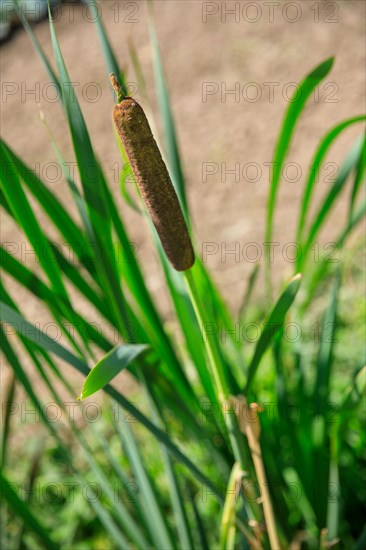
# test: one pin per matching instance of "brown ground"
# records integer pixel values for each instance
(216, 131)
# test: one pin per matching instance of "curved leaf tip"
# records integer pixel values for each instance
(323, 69)
(109, 366)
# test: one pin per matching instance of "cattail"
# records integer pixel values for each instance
(153, 179)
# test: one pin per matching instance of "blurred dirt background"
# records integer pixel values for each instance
(225, 50)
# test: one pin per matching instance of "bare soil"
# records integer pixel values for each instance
(258, 55)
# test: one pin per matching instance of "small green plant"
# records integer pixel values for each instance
(222, 445)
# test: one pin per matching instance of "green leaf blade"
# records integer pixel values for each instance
(272, 326)
(292, 115)
(316, 163)
(107, 368)
(22, 509)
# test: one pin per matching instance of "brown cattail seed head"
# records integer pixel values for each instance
(154, 182)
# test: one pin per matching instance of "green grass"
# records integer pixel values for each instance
(172, 465)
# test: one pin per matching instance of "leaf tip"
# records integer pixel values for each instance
(323, 69)
(296, 281)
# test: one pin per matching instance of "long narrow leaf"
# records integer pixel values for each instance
(272, 325)
(151, 508)
(350, 164)
(321, 459)
(9, 494)
(6, 417)
(53, 209)
(23, 213)
(291, 118)
(108, 53)
(315, 167)
(38, 48)
(283, 143)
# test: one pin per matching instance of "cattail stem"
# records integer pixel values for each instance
(210, 341)
(223, 392)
